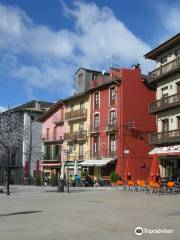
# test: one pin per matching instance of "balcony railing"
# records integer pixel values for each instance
(78, 157)
(58, 120)
(111, 128)
(165, 103)
(76, 136)
(164, 138)
(58, 139)
(95, 83)
(164, 70)
(95, 130)
(75, 115)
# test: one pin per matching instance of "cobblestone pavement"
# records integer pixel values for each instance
(87, 214)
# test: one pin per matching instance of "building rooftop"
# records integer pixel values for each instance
(153, 54)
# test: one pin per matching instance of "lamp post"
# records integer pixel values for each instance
(67, 167)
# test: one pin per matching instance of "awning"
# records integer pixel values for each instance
(169, 150)
(50, 164)
(96, 162)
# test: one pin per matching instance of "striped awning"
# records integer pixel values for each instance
(96, 162)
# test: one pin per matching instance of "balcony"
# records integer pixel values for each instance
(58, 120)
(165, 103)
(77, 157)
(95, 83)
(50, 139)
(163, 138)
(76, 115)
(76, 136)
(111, 128)
(164, 70)
(95, 130)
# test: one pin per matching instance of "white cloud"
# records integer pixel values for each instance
(2, 109)
(44, 58)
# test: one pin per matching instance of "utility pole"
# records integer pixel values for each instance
(30, 152)
(8, 171)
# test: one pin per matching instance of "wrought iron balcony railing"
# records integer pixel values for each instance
(163, 138)
(58, 139)
(76, 136)
(164, 70)
(95, 130)
(77, 114)
(58, 120)
(165, 103)
(111, 128)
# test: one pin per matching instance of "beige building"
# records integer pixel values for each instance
(166, 79)
(76, 136)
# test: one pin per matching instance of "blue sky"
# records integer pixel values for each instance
(43, 42)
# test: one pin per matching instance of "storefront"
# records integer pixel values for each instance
(99, 167)
(169, 161)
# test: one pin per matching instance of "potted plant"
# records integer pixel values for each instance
(113, 178)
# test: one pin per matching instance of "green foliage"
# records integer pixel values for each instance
(37, 180)
(53, 180)
(113, 177)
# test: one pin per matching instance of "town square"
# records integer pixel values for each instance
(89, 119)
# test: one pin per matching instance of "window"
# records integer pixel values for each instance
(47, 152)
(164, 59)
(112, 145)
(178, 122)
(80, 78)
(47, 133)
(178, 87)
(96, 100)
(81, 151)
(32, 118)
(112, 117)
(82, 106)
(71, 108)
(164, 92)
(94, 77)
(56, 152)
(81, 126)
(165, 125)
(55, 133)
(13, 159)
(112, 95)
(95, 146)
(177, 52)
(96, 121)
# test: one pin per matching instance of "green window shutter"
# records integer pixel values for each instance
(50, 152)
(54, 152)
(45, 152)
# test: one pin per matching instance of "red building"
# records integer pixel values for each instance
(120, 123)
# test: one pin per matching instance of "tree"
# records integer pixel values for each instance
(11, 135)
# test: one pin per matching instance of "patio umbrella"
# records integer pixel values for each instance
(128, 169)
(154, 170)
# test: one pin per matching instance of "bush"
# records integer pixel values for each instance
(113, 177)
(37, 180)
(53, 180)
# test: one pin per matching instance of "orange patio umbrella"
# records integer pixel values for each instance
(128, 169)
(154, 170)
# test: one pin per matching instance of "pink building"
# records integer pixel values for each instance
(52, 137)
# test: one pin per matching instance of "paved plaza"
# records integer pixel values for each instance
(87, 214)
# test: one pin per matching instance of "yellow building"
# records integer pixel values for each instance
(76, 137)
